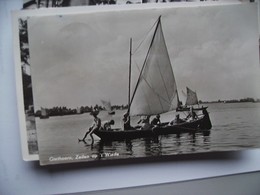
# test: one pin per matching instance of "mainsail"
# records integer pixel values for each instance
(192, 98)
(156, 90)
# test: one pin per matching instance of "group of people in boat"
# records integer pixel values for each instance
(143, 124)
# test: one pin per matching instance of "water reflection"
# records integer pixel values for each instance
(177, 140)
(232, 130)
(154, 146)
(129, 146)
(193, 138)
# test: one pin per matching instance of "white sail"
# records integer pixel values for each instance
(107, 105)
(192, 98)
(43, 112)
(156, 90)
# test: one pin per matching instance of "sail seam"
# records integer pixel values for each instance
(170, 64)
(167, 101)
(155, 90)
(163, 85)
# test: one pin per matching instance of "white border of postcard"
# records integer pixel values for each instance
(72, 10)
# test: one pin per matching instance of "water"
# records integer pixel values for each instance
(235, 127)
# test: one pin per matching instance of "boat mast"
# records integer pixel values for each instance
(179, 103)
(129, 81)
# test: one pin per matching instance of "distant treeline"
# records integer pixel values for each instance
(63, 110)
(232, 101)
(60, 111)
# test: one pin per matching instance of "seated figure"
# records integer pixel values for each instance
(177, 120)
(192, 115)
(156, 121)
(106, 125)
(145, 123)
(126, 122)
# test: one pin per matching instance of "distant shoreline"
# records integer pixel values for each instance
(74, 111)
(245, 100)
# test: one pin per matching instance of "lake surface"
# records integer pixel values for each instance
(235, 126)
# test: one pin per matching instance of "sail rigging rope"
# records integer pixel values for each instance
(159, 97)
(147, 99)
(163, 81)
(140, 75)
(144, 37)
(157, 94)
(167, 101)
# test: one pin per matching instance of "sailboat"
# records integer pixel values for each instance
(78, 110)
(107, 106)
(155, 93)
(191, 100)
(44, 114)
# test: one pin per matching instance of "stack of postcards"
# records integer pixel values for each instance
(136, 79)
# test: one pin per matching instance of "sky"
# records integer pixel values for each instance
(81, 59)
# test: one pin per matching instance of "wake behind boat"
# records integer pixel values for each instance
(155, 93)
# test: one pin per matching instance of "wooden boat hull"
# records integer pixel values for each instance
(111, 112)
(200, 125)
(44, 117)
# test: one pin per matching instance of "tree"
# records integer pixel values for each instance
(24, 49)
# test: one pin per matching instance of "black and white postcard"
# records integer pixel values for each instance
(145, 82)
(33, 4)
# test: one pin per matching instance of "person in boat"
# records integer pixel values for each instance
(156, 121)
(192, 115)
(177, 120)
(94, 127)
(206, 120)
(145, 123)
(107, 125)
(126, 121)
